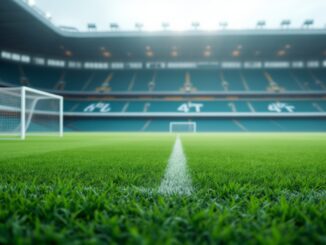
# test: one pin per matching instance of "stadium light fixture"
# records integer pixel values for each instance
(174, 53)
(31, 2)
(68, 53)
(261, 24)
(114, 26)
(165, 25)
(308, 23)
(236, 53)
(91, 27)
(223, 25)
(207, 53)
(48, 15)
(139, 26)
(106, 54)
(281, 53)
(285, 23)
(195, 25)
(149, 53)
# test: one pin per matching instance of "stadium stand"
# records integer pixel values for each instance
(111, 114)
(186, 81)
(131, 91)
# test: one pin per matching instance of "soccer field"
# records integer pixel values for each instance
(164, 189)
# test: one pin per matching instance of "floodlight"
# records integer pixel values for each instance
(91, 27)
(139, 26)
(165, 25)
(114, 26)
(307, 23)
(207, 53)
(223, 24)
(48, 15)
(285, 23)
(174, 53)
(261, 24)
(31, 2)
(281, 52)
(195, 25)
(236, 53)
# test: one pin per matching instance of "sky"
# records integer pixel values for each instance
(240, 14)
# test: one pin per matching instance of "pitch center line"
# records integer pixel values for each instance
(176, 178)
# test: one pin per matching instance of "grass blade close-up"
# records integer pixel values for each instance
(105, 188)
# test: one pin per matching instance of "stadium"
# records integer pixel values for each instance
(160, 137)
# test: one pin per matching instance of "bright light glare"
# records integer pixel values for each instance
(180, 14)
(31, 2)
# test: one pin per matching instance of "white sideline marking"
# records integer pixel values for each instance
(176, 178)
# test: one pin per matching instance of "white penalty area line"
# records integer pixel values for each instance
(176, 180)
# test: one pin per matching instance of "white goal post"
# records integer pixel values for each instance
(183, 127)
(26, 111)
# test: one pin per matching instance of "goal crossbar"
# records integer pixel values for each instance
(42, 92)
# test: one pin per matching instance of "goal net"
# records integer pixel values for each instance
(25, 111)
(183, 127)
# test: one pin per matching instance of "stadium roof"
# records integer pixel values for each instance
(181, 14)
(24, 29)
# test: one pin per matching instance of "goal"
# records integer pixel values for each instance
(25, 111)
(183, 127)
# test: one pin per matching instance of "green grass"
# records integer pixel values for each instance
(100, 188)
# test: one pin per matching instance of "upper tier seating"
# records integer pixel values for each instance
(187, 81)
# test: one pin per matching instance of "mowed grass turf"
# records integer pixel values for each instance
(101, 188)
